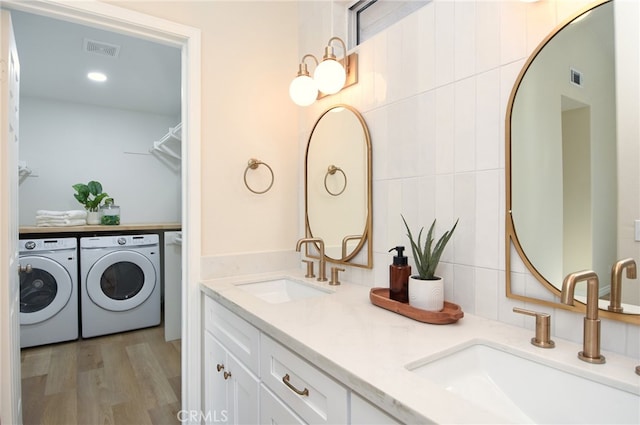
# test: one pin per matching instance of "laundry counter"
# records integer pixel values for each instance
(100, 229)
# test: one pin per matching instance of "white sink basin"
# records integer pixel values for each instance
(526, 391)
(282, 290)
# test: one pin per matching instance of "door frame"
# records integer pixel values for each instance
(188, 39)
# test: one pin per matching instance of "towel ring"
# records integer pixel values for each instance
(252, 165)
(331, 171)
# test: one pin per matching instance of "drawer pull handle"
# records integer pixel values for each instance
(227, 375)
(285, 379)
(219, 367)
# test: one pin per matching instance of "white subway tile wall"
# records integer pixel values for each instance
(433, 89)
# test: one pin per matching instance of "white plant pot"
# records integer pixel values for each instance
(426, 295)
(93, 217)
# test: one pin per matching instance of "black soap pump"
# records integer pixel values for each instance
(399, 273)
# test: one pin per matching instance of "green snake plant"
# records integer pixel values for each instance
(425, 257)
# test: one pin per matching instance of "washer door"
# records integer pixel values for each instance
(121, 280)
(44, 291)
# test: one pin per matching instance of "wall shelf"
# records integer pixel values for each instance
(24, 171)
(171, 144)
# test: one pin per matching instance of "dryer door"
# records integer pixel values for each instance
(121, 280)
(44, 291)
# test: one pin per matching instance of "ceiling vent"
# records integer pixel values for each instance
(101, 48)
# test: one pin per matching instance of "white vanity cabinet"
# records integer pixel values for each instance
(251, 378)
(231, 367)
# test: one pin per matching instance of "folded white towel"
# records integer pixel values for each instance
(61, 222)
(62, 214)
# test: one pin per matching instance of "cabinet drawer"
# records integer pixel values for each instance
(238, 336)
(274, 411)
(311, 394)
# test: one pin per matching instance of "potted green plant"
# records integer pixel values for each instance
(90, 195)
(426, 290)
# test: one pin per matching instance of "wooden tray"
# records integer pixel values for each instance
(451, 312)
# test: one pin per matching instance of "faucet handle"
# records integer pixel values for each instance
(334, 275)
(543, 328)
(310, 272)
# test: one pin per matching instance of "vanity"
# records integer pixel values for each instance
(327, 355)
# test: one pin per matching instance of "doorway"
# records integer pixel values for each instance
(188, 40)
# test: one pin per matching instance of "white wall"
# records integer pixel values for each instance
(433, 90)
(249, 56)
(68, 143)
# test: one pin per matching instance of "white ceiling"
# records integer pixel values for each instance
(53, 65)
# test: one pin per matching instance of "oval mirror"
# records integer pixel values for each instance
(338, 186)
(567, 150)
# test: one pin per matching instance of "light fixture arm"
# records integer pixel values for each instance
(328, 51)
(302, 68)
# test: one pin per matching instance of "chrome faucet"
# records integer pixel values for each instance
(322, 265)
(591, 336)
(616, 282)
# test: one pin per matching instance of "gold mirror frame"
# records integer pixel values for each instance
(366, 239)
(510, 233)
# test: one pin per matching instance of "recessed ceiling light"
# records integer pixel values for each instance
(97, 76)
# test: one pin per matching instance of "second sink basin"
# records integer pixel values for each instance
(527, 391)
(282, 290)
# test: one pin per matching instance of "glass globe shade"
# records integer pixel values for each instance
(303, 90)
(330, 76)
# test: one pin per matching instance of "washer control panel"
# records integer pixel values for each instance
(119, 241)
(34, 245)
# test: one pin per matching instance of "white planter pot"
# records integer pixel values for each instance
(426, 295)
(93, 217)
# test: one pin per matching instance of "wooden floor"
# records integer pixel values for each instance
(128, 378)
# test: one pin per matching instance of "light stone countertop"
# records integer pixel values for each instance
(367, 348)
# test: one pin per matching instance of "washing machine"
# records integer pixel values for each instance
(48, 291)
(119, 283)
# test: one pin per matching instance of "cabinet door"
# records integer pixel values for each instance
(216, 396)
(243, 388)
(230, 389)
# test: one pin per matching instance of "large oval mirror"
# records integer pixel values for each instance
(338, 186)
(572, 169)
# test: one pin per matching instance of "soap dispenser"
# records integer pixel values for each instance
(399, 273)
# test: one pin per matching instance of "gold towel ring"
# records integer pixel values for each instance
(331, 171)
(252, 165)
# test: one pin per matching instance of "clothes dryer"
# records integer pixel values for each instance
(48, 291)
(120, 283)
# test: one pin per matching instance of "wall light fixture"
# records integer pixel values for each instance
(330, 76)
(303, 90)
